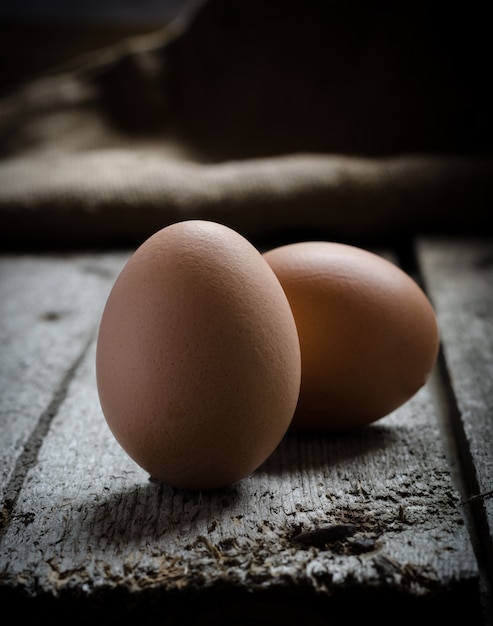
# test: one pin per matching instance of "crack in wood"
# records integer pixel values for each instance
(320, 537)
(478, 496)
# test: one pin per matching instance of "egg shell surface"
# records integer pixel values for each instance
(198, 362)
(368, 333)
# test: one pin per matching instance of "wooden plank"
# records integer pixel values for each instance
(371, 516)
(49, 310)
(459, 277)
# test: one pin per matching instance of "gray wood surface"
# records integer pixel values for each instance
(459, 277)
(329, 527)
(49, 311)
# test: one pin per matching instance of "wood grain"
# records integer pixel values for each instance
(49, 310)
(329, 526)
(459, 276)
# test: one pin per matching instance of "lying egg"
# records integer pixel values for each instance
(368, 333)
(198, 363)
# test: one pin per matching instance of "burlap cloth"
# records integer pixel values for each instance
(276, 118)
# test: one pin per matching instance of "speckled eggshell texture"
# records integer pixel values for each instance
(368, 333)
(198, 360)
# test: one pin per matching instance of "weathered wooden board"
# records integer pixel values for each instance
(459, 277)
(343, 523)
(49, 311)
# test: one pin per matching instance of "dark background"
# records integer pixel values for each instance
(38, 35)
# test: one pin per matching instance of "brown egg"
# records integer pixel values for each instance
(198, 361)
(368, 333)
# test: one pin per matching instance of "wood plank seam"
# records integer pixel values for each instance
(466, 478)
(28, 458)
(464, 470)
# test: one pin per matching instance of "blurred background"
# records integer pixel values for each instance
(38, 35)
(427, 63)
(132, 103)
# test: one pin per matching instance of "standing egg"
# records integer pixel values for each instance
(198, 361)
(368, 333)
